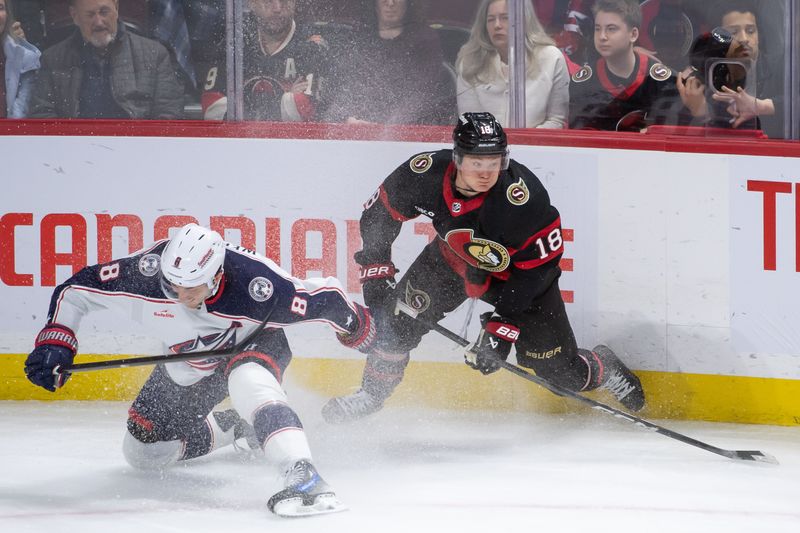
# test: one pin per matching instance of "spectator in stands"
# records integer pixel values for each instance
(393, 71)
(624, 90)
(668, 27)
(104, 71)
(482, 67)
(733, 106)
(18, 63)
(285, 67)
(573, 39)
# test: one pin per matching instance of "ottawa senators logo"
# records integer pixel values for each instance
(584, 74)
(421, 163)
(518, 193)
(480, 253)
(660, 72)
(418, 300)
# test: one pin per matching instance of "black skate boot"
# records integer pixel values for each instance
(619, 380)
(306, 493)
(351, 407)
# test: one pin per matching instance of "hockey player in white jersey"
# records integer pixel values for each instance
(197, 292)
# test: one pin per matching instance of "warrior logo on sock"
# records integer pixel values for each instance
(417, 299)
(518, 193)
(149, 265)
(480, 253)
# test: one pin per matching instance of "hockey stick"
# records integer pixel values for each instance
(743, 455)
(165, 358)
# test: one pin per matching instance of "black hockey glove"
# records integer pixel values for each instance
(363, 336)
(493, 344)
(56, 346)
(377, 283)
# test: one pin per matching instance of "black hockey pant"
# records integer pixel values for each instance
(546, 345)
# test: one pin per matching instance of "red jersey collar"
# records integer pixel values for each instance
(619, 91)
(213, 299)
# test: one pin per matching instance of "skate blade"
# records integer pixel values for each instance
(323, 504)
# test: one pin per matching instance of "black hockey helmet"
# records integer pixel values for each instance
(479, 134)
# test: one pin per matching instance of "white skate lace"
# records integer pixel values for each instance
(618, 385)
(298, 475)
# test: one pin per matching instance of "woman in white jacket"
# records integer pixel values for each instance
(19, 60)
(482, 67)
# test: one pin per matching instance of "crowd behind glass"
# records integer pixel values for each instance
(614, 65)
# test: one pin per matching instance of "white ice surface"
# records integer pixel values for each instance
(405, 470)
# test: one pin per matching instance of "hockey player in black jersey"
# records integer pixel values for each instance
(624, 90)
(285, 68)
(196, 292)
(498, 239)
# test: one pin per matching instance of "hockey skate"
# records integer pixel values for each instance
(619, 380)
(351, 407)
(306, 494)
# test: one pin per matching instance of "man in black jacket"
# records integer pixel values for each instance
(103, 71)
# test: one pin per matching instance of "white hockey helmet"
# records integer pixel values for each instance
(193, 257)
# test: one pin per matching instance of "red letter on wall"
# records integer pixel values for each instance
(770, 190)
(272, 246)
(8, 274)
(105, 227)
(49, 257)
(567, 265)
(425, 228)
(301, 264)
(163, 224)
(246, 227)
(353, 245)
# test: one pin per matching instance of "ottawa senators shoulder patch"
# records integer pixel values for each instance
(421, 163)
(517, 193)
(660, 72)
(584, 74)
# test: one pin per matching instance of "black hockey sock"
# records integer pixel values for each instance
(596, 369)
(383, 373)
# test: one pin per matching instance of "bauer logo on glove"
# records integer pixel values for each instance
(493, 345)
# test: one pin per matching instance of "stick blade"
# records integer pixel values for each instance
(753, 455)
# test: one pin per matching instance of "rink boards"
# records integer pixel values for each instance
(685, 263)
